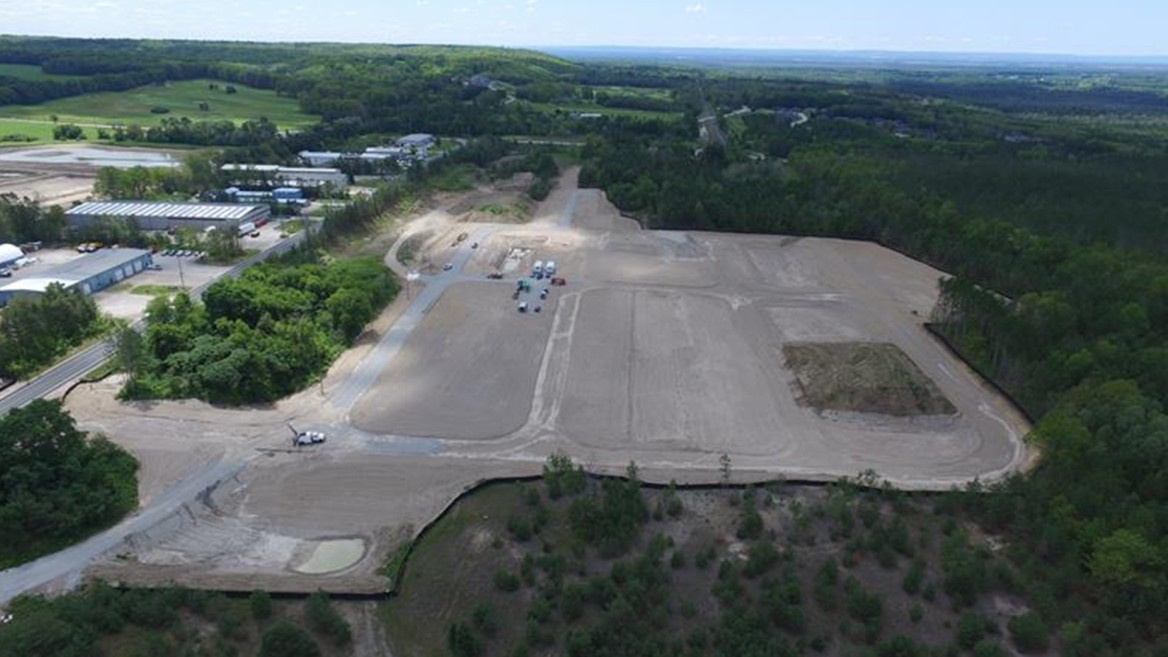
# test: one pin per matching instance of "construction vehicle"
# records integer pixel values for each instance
(301, 438)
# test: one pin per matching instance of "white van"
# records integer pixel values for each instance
(550, 268)
(537, 269)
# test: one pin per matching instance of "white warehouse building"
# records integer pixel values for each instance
(151, 215)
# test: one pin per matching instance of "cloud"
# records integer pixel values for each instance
(695, 8)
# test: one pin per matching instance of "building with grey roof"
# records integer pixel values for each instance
(152, 215)
(90, 273)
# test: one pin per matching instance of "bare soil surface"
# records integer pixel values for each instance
(665, 348)
(454, 383)
(863, 378)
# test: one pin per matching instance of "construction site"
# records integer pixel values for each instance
(804, 359)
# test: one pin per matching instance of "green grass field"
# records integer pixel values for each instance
(40, 131)
(182, 98)
(590, 108)
(31, 72)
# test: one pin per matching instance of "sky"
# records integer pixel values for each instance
(1078, 27)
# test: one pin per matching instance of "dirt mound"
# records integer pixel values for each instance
(863, 377)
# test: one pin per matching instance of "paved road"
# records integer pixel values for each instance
(66, 565)
(89, 358)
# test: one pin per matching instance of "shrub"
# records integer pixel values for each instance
(325, 619)
(261, 605)
(971, 628)
(914, 578)
(462, 641)
(484, 619)
(286, 640)
(1029, 633)
(506, 582)
(159, 109)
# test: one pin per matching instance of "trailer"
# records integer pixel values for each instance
(246, 227)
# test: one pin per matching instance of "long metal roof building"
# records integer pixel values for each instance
(89, 273)
(153, 215)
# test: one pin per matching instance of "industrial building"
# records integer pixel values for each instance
(89, 273)
(150, 215)
(266, 174)
(280, 195)
(418, 141)
(10, 254)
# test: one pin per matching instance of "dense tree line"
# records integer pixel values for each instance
(257, 338)
(56, 483)
(100, 619)
(36, 330)
(24, 220)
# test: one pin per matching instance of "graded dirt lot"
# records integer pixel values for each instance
(48, 189)
(664, 368)
(665, 348)
(467, 371)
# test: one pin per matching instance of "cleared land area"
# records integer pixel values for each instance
(666, 369)
(863, 378)
(47, 188)
(468, 371)
(181, 98)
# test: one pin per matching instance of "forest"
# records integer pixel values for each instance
(256, 338)
(57, 484)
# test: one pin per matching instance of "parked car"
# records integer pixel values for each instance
(495, 276)
(448, 266)
(254, 233)
(559, 281)
(543, 293)
(474, 245)
(154, 266)
(5, 272)
(522, 307)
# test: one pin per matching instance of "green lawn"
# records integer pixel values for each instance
(182, 98)
(39, 131)
(31, 72)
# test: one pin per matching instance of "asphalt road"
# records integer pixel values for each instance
(89, 358)
(66, 566)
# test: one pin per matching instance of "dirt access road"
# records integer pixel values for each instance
(664, 348)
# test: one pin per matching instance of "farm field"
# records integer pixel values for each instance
(182, 98)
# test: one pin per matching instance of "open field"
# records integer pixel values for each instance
(32, 72)
(182, 98)
(593, 108)
(36, 129)
(455, 383)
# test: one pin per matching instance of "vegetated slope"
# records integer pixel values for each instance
(580, 567)
(186, 98)
(57, 484)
